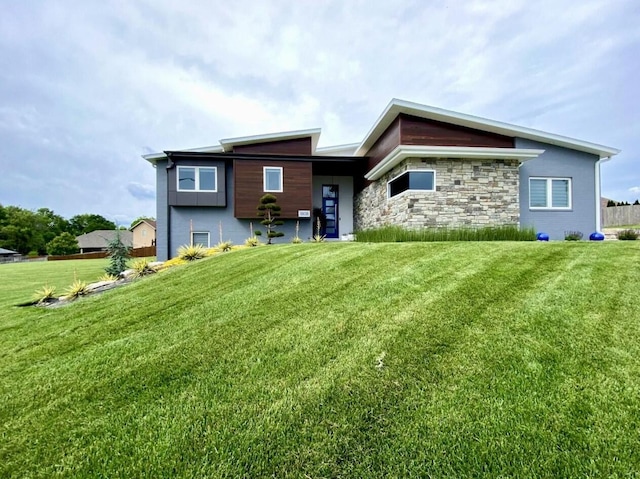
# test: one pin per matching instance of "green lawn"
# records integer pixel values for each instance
(332, 360)
(18, 281)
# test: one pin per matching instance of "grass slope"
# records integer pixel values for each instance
(336, 360)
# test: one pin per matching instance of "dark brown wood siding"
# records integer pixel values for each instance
(384, 144)
(248, 187)
(420, 131)
(300, 146)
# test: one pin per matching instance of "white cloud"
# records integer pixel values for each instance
(93, 86)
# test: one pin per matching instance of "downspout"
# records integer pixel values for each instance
(598, 194)
(170, 164)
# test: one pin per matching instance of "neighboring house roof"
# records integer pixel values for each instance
(7, 252)
(390, 113)
(101, 238)
(151, 223)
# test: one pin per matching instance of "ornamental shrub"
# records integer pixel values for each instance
(627, 235)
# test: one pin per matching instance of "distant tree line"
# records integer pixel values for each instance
(621, 203)
(44, 232)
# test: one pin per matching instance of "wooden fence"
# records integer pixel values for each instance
(620, 215)
(135, 253)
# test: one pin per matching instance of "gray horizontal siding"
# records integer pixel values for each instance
(560, 163)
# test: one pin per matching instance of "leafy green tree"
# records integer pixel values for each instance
(86, 223)
(118, 255)
(51, 224)
(21, 230)
(269, 210)
(64, 243)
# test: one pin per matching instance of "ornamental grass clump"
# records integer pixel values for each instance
(252, 242)
(76, 289)
(141, 267)
(317, 237)
(192, 252)
(44, 294)
(627, 235)
(224, 246)
(573, 235)
(398, 234)
(296, 239)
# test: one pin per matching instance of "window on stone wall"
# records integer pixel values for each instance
(412, 180)
(550, 193)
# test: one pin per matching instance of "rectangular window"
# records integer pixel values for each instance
(550, 193)
(272, 179)
(201, 238)
(198, 178)
(412, 180)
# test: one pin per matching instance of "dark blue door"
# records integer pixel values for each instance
(330, 210)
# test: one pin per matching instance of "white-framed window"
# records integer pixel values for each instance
(550, 193)
(200, 237)
(414, 180)
(198, 178)
(272, 176)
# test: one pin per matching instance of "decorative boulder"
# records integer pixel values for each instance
(596, 236)
(542, 237)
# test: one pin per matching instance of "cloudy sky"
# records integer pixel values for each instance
(86, 87)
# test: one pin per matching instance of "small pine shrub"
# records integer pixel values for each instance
(78, 288)
(627, 235)
(573, 235)
(252, 242)
(44, 294)
(118, 256)
(192, 252)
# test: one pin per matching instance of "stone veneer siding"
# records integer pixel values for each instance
(468, 193)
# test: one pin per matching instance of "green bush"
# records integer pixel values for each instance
(627, 235)
(573, 235)
(64, 243)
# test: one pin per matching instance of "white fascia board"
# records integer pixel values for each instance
(401, 153)
(396, 106)
(338, 150)
(314, 133)
(154, 157)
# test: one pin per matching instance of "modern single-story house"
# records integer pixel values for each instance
(418, 166)
(98, 240)
(144, 233)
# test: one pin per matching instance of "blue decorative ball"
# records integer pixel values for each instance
(596, 236)
(542, 237)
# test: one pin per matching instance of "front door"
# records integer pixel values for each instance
(330, 210)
